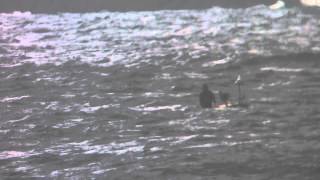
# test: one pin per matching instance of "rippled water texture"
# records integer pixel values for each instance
(115, 95)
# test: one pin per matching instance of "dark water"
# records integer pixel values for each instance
(115, 95)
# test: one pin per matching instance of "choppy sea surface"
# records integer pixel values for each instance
(115, 95)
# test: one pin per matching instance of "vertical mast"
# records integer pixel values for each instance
(238, 82)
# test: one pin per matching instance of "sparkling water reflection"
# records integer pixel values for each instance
(114, 95)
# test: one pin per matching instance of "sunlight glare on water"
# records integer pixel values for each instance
(115, 95)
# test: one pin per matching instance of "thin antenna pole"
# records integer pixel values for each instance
(238, 82)
(239, 93)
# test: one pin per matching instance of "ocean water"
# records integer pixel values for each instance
(111, 95)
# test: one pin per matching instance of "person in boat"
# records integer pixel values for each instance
(206, 97)
(224, 97)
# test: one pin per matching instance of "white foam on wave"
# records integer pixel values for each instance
(18, 120)
(154, 149)
(13, 99)
(194, 75)
(92, 109)
(202, 146)
(179, 95)
(157, 108)
(218, 121)
(17, 14)
(217, 62)
(15, 154)
(68, 95)
(277, 69)
(273, 84)
(88, 148)
(53, 105)
(223, 143)
(158, 139)
(97, 172)
(154, 94)
(68, 123)
(183, 139)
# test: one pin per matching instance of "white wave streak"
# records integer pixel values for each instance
(217, 62)
(18, 120)
(156, 108)
(15, 154)
(184, 138)
(277, 69)
(13, 99)
(224, 143)
(92, 109)
(88, 148)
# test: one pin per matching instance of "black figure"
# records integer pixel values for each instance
(224, 97)
(206, 97)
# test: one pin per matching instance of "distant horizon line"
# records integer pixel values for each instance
(82, 6)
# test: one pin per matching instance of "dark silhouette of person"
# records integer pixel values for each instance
(206, 97)
(224, 97)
